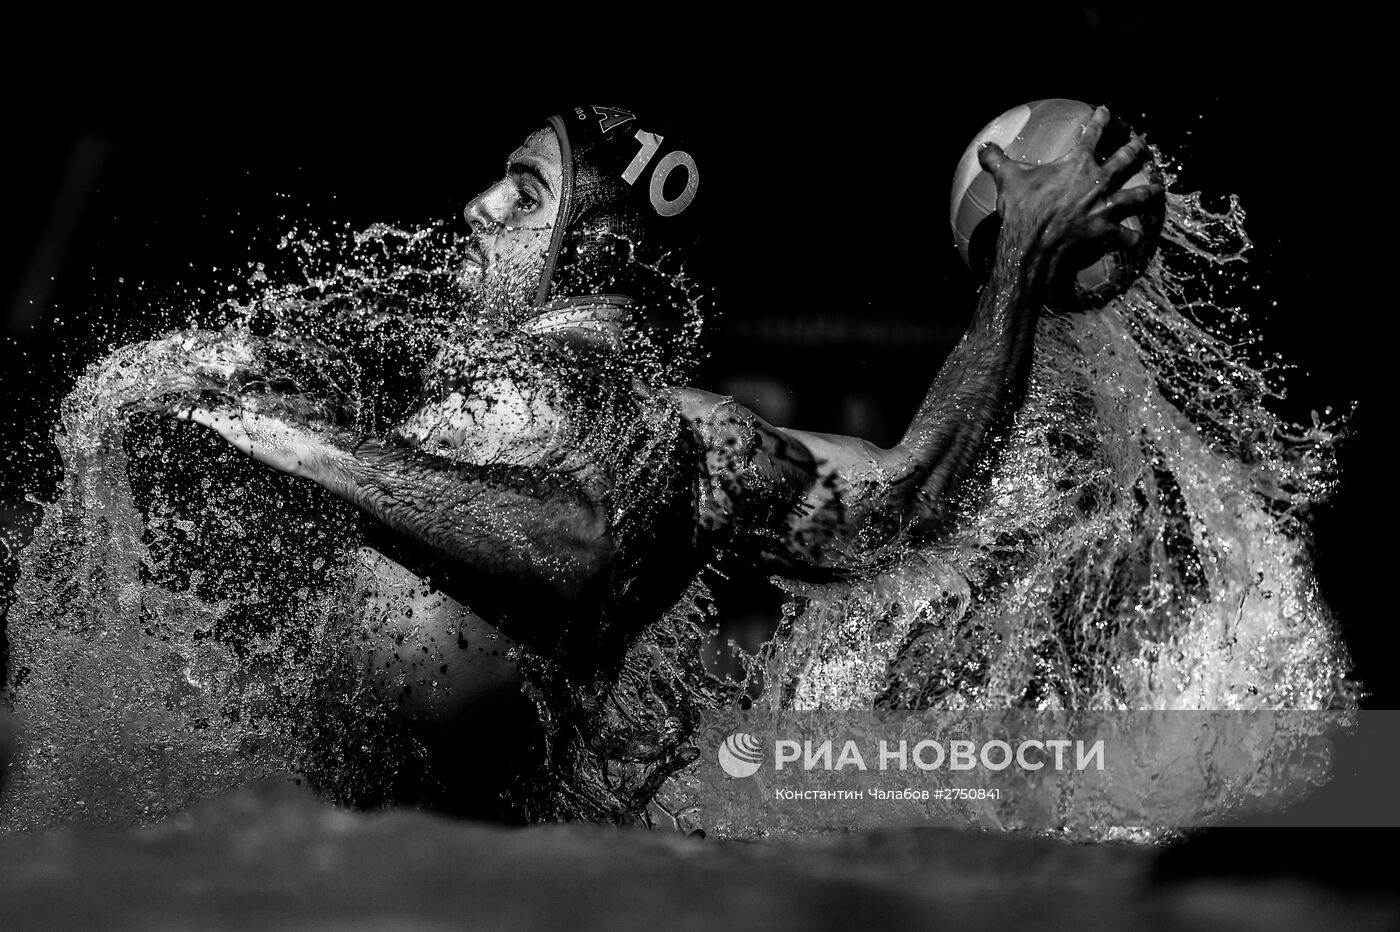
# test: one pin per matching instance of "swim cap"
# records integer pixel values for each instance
(627, 179)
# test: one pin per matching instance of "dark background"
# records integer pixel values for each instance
(143, 178)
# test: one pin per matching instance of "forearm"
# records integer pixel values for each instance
(1071, 206)
(824, 502)
(846, 498)
(493, 523)
(979, 385)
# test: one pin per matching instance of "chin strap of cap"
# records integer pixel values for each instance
(561, 222)
(598, 319)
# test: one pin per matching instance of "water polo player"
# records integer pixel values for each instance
(548, 494)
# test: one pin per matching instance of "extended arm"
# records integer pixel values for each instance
(846, 493)
(542, 531)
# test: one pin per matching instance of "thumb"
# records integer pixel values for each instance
(991, 157)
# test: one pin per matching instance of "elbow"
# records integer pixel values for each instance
(583, 559)
(588, 569)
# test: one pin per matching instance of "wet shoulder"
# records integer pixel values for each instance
(727, 437)
(753, 475)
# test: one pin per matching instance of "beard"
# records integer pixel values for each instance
(503, 293)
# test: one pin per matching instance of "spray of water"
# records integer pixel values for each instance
(1137, 541)
(175, 626)
(182, 616)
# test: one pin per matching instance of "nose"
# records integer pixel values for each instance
(475, 215)
(485, 211)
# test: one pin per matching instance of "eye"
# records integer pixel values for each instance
(524, 200)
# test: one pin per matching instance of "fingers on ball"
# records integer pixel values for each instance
(991, 157)
(1130, 201)
(1093, 129)
(1129, 157)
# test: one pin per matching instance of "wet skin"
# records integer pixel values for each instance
(451, 659)
(425, 651)
(484, 482)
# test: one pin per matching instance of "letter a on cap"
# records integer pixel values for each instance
(608, 117)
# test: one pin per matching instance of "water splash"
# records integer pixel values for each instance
(181, 619)
(175, 622)
(1137, 541)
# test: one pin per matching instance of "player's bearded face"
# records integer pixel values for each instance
(511, 225)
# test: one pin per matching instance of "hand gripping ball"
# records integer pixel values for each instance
(1041, 132)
